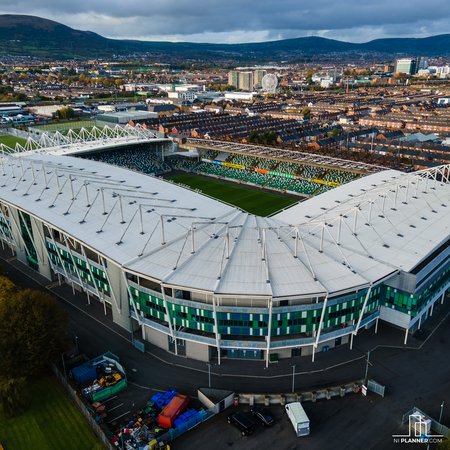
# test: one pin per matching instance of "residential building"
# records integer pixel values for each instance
(406, 65)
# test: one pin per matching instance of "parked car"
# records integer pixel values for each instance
(264, 416)
(242, 422)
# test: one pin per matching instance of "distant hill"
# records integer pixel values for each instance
(35, 36)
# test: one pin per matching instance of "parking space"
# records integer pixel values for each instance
(338, 423)
(121, 408)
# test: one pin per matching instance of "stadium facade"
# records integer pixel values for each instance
(206, 280)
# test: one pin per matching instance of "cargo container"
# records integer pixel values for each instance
(110, 378)
(85, 373)
(173, 410)
(104, 393)
(298, 417)
(88, 371)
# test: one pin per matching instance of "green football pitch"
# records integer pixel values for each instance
(11, 141)
(51, 422)
(253, 200)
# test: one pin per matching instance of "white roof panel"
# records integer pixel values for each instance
(343, 239)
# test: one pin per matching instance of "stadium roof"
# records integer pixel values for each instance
(83, 140)
(343, 240)
(291, 155)
(392, 217)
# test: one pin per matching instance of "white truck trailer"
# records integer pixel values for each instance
(298, 417)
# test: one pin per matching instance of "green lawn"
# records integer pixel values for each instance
(51, 422)
(65, 126)
(252, 200)
(11, 141)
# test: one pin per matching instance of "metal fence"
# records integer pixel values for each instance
(173, 433)
(138, 344)
(435, 425)
(378, 388)
(82, 408)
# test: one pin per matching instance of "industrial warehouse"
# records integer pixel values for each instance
(204, 279)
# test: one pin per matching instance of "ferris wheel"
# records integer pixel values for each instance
(269, 83)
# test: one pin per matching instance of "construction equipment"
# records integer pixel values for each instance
(110, 380)
(155, 445)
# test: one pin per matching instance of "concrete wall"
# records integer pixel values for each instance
(283, 352)
(37, 230)
(313, 396)
(395, 317)
(307, 350)
(215, 407)
(119, 296)
(197, 351)
(17, 236)
(156, 337)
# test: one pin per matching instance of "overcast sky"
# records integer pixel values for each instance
(231, 21)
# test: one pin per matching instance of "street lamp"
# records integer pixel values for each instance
(293, 378)
(367, 366)
(76, 344)
(209, 374)
(442, 409)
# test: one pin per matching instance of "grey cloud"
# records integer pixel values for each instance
(227, 20)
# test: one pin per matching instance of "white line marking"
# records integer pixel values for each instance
(115, 407)
(118, 417)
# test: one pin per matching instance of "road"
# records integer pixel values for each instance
(418, 375)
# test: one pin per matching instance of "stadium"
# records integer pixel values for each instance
(205, 279)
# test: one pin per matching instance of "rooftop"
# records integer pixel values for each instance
(342, 240)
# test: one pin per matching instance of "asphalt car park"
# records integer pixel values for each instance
(221, 435)
(413, 376)
(352, 422)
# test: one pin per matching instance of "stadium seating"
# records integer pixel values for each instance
(304, 187)
(257, 178)
(141, 159)
(289, 168)
(312, 172)
(243, 160)
(340, 177)
(134, 158)
(279, 182)
(182, 163)
(322, 189)
(212, 169)
(237, 174)
(211, 154)
(267, 164)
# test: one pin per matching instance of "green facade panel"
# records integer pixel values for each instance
(26, 232)
(58, 255)
(254, 324)
(412, 304)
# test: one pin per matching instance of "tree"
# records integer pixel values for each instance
(33, 331)
(306, 113)
(253, 137)
(65, 113)
(444, 445)
(13, 399)
(335, 132)
(267, 138)
(309, 74)
(7, 288)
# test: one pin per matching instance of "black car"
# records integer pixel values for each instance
(242, 422)
(263, 416)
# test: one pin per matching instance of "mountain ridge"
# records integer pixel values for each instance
(36, 36)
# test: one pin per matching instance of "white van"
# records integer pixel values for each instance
(299, 419)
